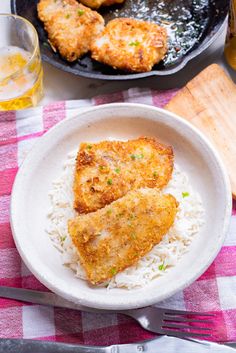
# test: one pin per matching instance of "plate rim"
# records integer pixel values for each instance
(150, 299)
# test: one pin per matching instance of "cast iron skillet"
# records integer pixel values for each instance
(192, 26)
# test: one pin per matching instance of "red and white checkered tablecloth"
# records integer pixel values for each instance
(214, 291)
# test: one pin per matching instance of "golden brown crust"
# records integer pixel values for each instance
(117, 236)
(95, 4)
(130, 45)
(71, 26)
(107, 170)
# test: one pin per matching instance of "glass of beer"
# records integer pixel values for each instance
(21, 74)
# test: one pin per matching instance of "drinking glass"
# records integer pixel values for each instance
(21, 74)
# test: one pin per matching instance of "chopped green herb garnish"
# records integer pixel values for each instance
(45, 44)
(63, 238)
(155, 174)
(162, 267)
(113, 271)
(101, 167)
(109, 181)
(132, 216)
(133, 236)
(117, 170)
(185, 194)
(89, 147)
(134, 44)
(109, 211)
(68, 15)
(80, 12)
(136, 156)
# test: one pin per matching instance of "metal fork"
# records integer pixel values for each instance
(158, 320)
(171, 322)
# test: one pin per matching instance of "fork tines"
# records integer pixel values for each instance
(182, 323)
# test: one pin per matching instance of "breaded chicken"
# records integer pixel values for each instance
(117, 236)
(95, 4)
(71, 26)
(107, 170)
(130, 45)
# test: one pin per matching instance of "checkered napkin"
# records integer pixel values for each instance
(214, 291)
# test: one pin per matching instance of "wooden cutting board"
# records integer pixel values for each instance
(209, 102)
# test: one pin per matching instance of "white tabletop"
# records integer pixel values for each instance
(60, 85)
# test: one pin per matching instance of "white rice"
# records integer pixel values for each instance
(159, 260)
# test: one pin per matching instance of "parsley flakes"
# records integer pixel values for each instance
(185, 194)
(134, 44)
(155, 174)
(109, 181)
(80, 12)
(162, 267)
(136, 156)
(113, 271)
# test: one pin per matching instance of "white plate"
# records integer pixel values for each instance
(30, 202)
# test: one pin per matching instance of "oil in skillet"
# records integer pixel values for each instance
(185, 21)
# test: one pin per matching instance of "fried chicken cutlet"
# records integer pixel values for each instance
(71, 27)
(130, 45)
(107, 170)
(117, 236)
(95, 4)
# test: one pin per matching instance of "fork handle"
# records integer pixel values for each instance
(45, 298)
(34, 346)
(29, 346)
